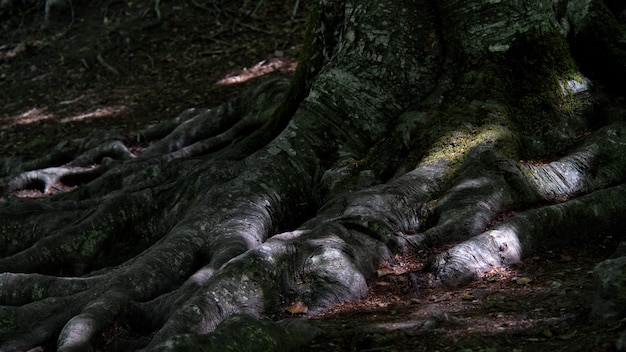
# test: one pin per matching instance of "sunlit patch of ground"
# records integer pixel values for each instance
(116, 66)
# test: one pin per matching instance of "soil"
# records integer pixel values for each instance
(541, 304)
(121, 65)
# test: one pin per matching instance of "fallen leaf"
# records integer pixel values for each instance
(384, 271)
(555, 284)
(568, 336)
(522, 281)
(396, 270)
(468, 297)
(444, 297)
(547, 333)
(297, 308)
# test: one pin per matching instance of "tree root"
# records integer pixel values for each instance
(330, 255)
(507, 243)
(211, 238)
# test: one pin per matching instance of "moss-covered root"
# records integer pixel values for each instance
(284, 335)
(320, 267)
(211, 130)
(598, 163)
(582, 219)
(30, 325)
(75, 248)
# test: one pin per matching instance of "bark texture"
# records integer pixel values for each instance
(408, 123)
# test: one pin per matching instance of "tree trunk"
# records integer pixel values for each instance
(408, 123)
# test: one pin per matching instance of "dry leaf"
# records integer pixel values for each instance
(298, 308)
(468, 297)
(398, 270)
(568, 336)
(444, 297)
(547, 332)
(522, 281)
(384, 271)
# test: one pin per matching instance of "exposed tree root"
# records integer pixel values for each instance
(596, 215)
(177, 239)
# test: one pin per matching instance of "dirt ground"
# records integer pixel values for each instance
(120, 65)
(542, 304)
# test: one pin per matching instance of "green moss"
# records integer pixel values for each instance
(481, 85)
(534, 69)
(9, 323)
(454, 147)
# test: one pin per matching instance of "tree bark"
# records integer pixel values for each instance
(408, 123)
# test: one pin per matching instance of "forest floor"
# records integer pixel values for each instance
(121, 65)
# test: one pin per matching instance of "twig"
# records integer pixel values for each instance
(106, 65)
(258, 5)
(72, 14)
(151, 61)
(245, 25)
(156, 8)
(295, 10)
(200, 6)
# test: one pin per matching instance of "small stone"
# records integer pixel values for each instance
(610, 282)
